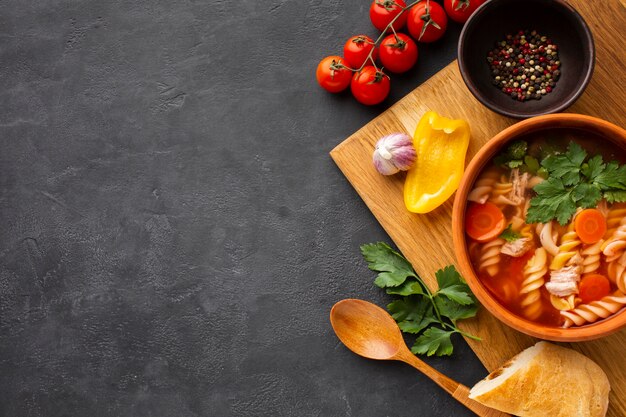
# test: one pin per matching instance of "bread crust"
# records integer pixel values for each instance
(553, 382)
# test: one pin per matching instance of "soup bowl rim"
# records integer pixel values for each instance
(602, 327)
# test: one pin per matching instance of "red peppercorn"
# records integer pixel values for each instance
(522, 61)
(548, 89)
(515, 71)
(546, 72)
(555, 67)
(542, 59)
(509, 90)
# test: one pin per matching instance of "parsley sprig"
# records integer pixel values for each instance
(431, 315)
(575, 181)
(509, 234)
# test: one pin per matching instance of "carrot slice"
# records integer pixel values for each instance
(590, 225)
(484, 222)
(593, 287)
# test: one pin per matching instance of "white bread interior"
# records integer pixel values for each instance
(546, 380)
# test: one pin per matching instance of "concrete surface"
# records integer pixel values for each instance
(173, 232)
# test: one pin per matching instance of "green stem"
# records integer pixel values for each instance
(382, 35)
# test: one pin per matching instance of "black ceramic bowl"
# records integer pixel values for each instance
(555, 19)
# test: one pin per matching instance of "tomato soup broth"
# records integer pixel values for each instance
(509, 277)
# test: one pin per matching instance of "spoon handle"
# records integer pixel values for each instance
(459, 391)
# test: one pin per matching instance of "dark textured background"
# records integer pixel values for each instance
(173, 232)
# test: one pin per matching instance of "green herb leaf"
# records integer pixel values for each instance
(434, 341)
(409, 287)
(419, 308)
(586, 195)
(413, 314)
(615, 196)
(393, 268)
(408, 308)
(552, 201)
(452, 286)
(509, 234)
(532, 164)
(612, 177)
(594, 167)
(455, 311)
(566, 166)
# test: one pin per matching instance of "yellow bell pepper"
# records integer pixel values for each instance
(441, 145)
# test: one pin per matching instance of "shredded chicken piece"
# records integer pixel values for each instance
(577, 259)
(535, 180)
(519, 186)
(564, 281)
(517, 248)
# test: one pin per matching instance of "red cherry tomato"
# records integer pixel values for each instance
(398, 53)
(370, 86)
(427, 21)
(382, 13)
(332, 74)
(357, 49)
(461, 10)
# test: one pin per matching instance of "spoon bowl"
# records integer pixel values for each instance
(370, 331)
(367, 331)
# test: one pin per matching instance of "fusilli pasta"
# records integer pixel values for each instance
(567, 248)
(534, 273)
(591, 312)
(591, 257)
(484, 186)
(490, 256)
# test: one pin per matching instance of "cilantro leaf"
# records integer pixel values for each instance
(586, 195)
(419, 308)
(615, 196)
(448, 277)
(553, 200)
(455, 311)
(409, 308)
(566, 166)
(509, 234)
(613, 176)
(434, 341)
(393, 268)
(594, 167)
(409, 287)
(452, 286)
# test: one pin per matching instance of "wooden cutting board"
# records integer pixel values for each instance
(426, 240)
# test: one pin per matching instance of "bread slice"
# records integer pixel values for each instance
(546, 380)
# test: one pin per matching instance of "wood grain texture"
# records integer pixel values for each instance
(426, 239)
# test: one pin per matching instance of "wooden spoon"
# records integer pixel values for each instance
(369, 331)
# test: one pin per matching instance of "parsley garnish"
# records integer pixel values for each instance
(430, 315)
(509, 234)
(574, 183)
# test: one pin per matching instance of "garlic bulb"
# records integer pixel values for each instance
(394, 153)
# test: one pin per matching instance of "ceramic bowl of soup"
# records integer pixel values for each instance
(539, 232)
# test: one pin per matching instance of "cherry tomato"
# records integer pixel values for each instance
(356, 50)
(370, 86)
(332, 74)
(382, 13)
(427, 21)
(398, 53)
(461, 10)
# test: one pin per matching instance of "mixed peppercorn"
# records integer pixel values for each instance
(525, 65)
